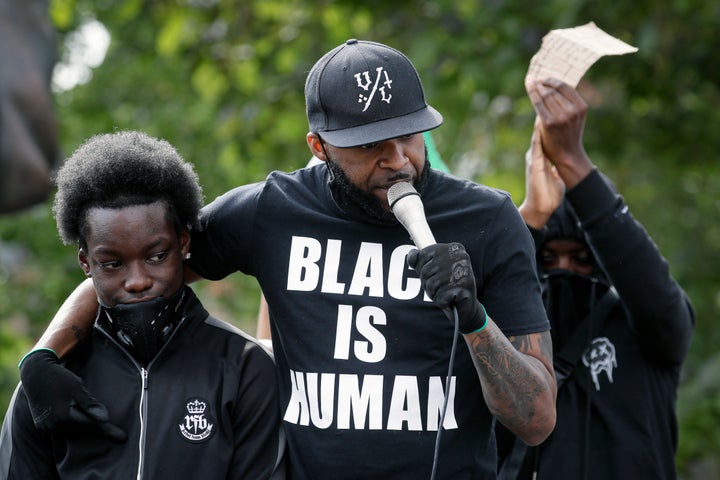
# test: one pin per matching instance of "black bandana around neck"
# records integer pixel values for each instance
(143, 328)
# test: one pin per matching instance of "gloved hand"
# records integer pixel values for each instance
(446, 275)
(57, 396)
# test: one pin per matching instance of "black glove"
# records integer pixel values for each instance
(57, 397)
(446, 275)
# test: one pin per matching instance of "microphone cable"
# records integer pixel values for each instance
(451, 364)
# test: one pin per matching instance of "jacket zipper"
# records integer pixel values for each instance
(142, 413)
(142, 409)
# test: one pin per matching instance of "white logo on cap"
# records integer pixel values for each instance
(366, 86)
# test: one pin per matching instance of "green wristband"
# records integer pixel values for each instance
(36, 350)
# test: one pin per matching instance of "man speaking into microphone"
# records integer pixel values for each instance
(362, 332)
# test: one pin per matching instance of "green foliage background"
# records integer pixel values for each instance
(223, 81)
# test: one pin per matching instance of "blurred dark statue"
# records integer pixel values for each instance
(28, 127)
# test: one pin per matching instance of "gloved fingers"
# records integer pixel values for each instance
(433, 286)
(429, 271)
(412, 258)
(417, 258)
(113, 432)
(88, 411)
(447, 297)
(96, 415)
(462, 296)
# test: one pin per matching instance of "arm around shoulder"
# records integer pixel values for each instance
(73, 321)
(56, 395)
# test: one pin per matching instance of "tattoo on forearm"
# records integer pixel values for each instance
(79, 332)
(510, 392)
(545, 345)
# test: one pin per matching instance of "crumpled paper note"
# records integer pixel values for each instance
(568, 53)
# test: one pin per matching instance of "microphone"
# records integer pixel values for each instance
(407, 207)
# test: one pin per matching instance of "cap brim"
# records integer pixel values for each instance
(416, 122)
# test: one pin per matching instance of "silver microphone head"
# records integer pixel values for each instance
(410, 213)
(400, 190)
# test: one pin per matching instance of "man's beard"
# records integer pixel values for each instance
(349, 196)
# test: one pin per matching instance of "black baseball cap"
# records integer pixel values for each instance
(364, 92)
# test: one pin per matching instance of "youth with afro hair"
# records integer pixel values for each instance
(177, 393)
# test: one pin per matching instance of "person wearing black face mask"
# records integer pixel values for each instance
(621, 325)
(572, 283)
(177, 392)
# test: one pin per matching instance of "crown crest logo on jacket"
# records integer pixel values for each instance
(196, 407)
(196, 426)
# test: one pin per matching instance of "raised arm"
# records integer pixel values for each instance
(662, 314)
(544, 189)
(561, 115)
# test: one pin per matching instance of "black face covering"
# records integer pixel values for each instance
(568, 299)
(143, 328)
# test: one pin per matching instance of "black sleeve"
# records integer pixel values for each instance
(25, 451)
(538, 236)
(509, 289)
(258, 436)
(223, 244)
(660, 311)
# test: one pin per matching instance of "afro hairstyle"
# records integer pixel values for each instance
(122, 169)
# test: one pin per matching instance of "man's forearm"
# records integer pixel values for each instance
(73, 322)
(519, 389)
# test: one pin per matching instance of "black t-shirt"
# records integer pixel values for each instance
(363, 352)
